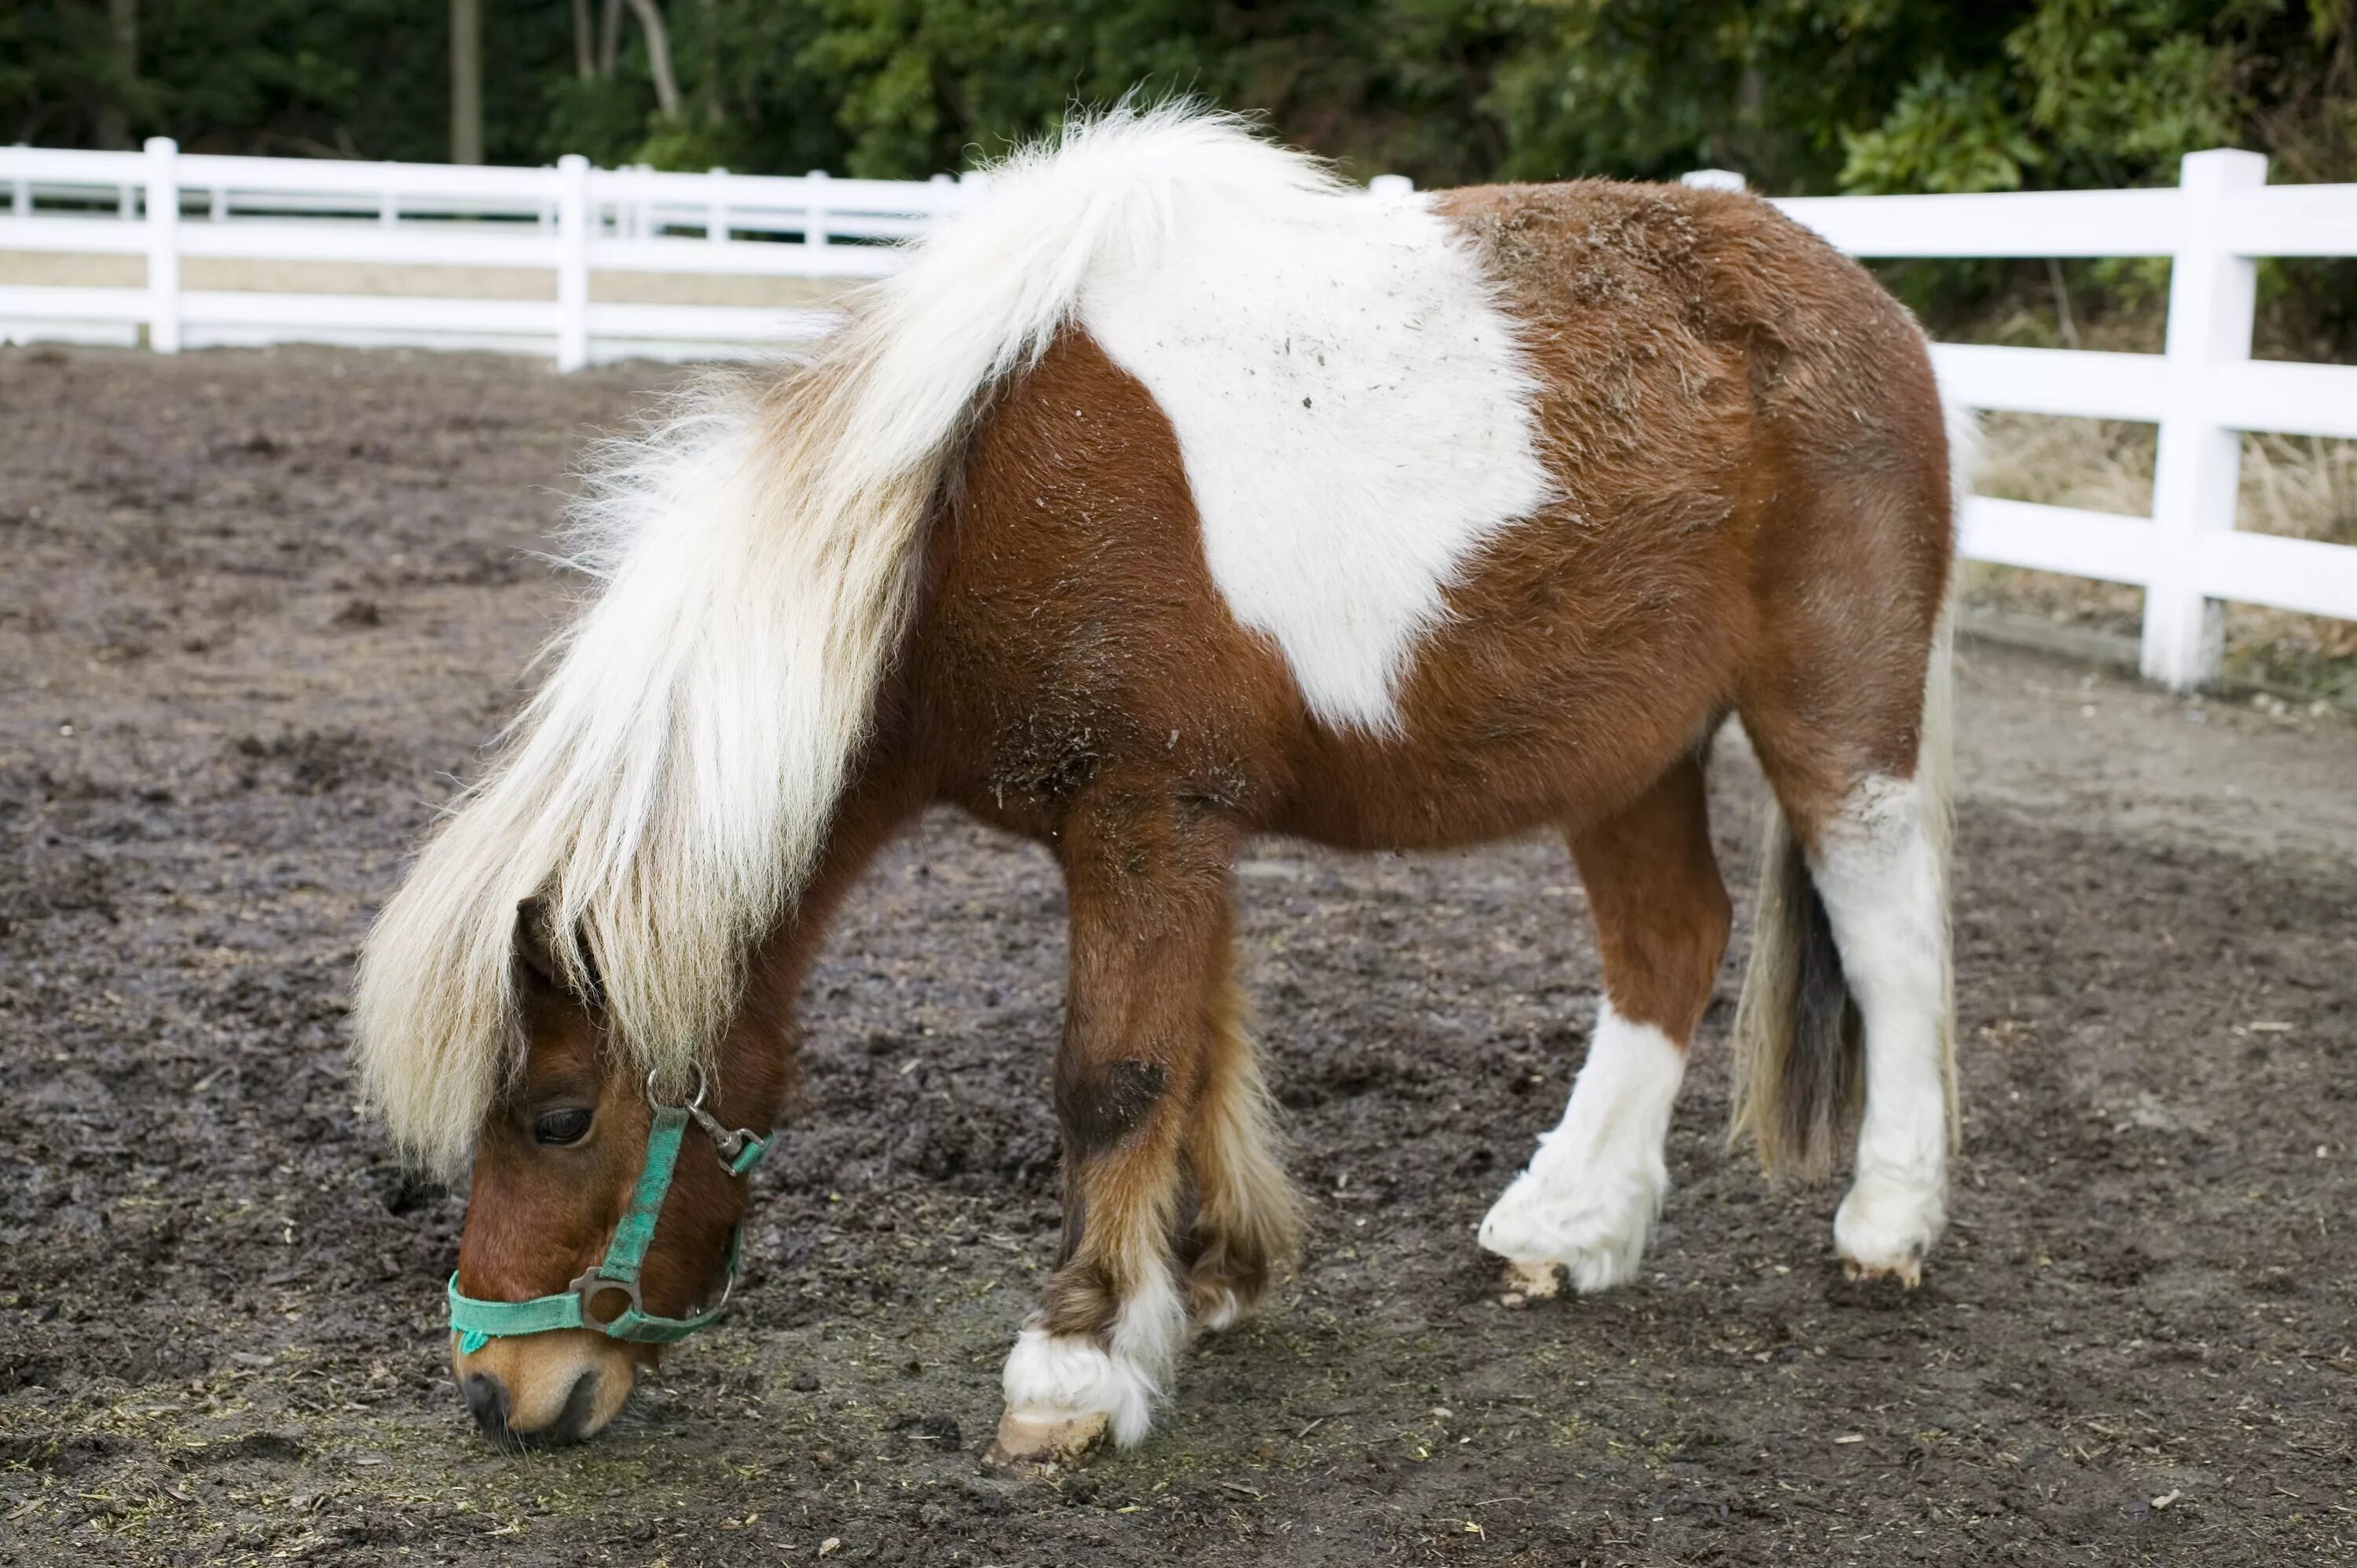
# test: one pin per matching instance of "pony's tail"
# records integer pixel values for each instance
(1799, 1045)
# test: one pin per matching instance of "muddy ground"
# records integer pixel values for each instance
(256, 610)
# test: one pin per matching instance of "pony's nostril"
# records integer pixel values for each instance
(573, 1422)
(487, 1399)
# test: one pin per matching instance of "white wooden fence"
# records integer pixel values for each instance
(2203, 392)
(571, 221)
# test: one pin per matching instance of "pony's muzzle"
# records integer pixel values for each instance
(545, 1390)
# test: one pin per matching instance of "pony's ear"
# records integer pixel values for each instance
(532, 947)
(536, 948)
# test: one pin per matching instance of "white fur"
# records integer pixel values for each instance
(1053, 1377)
(1588, 1198)
(668, 790)
(1877, 869)
(1353, 409)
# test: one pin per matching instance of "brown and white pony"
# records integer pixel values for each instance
(1180, 493)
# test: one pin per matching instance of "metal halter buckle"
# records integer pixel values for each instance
(593, 1284)
(728, 1143)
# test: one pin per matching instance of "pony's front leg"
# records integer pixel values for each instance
(1149, 916)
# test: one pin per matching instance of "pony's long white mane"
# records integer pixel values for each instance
(668, 789)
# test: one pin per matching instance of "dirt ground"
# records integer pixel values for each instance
(257, 609)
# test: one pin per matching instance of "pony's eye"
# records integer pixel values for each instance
(562, 1127)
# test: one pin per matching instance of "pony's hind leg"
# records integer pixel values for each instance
(1149, 925)
(1587, 1201)
(1246, 1225)
(1862, 1034)
(1878, 869)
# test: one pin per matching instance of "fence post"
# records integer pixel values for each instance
(1390, 185)
(814, 211)
(162, 245)
(572, 261)
(715, 214)
(2211, 292)
(20, 200)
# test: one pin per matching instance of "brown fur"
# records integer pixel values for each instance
(1247, 1225)
(1662, 915)
(1753, 516)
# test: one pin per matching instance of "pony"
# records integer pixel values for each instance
(1179, 493)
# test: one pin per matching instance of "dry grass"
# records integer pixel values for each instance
(235, 274)
(2300, 487)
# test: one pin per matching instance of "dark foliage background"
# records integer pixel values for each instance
(1800, 95)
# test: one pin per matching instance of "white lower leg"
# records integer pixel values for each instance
(1589, 1197)
(1065, 1390)
(1883, 892)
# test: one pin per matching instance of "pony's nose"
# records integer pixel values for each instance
(487, 1400)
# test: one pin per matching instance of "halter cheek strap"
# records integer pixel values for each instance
(478, 1322)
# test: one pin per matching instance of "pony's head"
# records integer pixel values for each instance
(603, 1217)
(658, 815)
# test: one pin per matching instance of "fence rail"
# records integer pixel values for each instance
(567, 223)
(575, 222)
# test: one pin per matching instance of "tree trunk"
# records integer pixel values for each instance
(715, 110)
(114, 127)
(651, 20)
(585, 43)
(609, 37)
(465, 82)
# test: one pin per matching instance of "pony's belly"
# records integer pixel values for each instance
(1403, 798)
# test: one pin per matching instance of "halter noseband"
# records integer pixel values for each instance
(476, 1322)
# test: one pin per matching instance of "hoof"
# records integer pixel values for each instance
(1908, 1271)
(1587, 1239)
(1526, 1280)
(1886, 1228)
(1036, 1445)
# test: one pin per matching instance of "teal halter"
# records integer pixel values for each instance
(478, 1322)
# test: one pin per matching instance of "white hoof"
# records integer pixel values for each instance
(1068, 1384)
(1885, 1226)
(1036, 1444)
(1066, 1392)
(1587, 1201)
(1591, 1224)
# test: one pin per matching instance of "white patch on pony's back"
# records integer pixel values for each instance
(1351, 406)
(1587, 1200)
